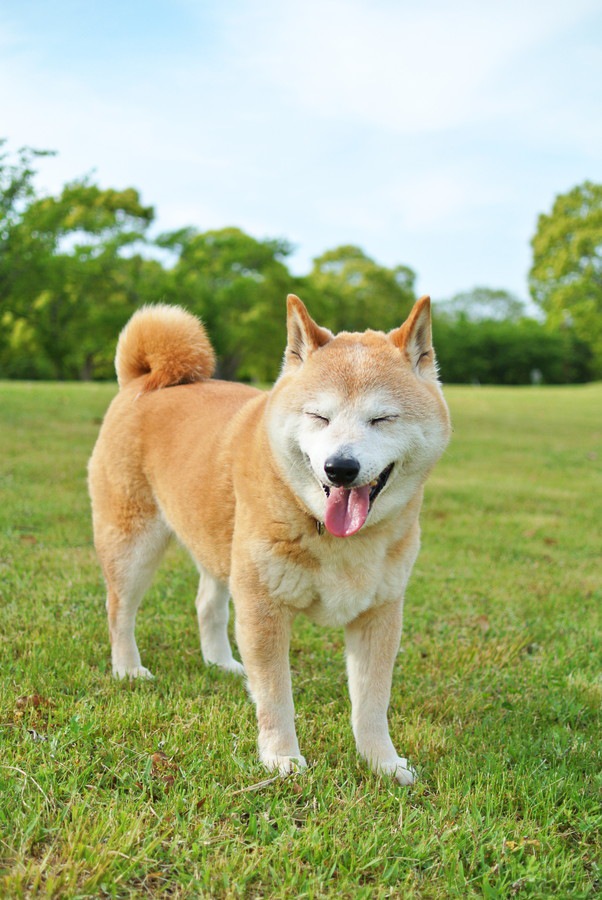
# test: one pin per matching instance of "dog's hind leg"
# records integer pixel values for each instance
(212, 606)
(129, 562)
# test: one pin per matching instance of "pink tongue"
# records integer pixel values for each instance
(347, 510)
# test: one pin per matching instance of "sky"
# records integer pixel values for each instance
(431, 135)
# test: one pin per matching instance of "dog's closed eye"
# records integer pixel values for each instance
(322, 420)
(380, 420)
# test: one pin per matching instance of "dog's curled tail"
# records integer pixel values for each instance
(163, 345)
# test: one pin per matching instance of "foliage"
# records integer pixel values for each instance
(111, 789)
(484, 336)
(74, 267)
(484, 304)
(16, 187)
(492, 351)
(16, 190)
(238, 286)
(566, 276)
(349, 291)
(72, 285)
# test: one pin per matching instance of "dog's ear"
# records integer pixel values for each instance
(304, 336)
(414, 339)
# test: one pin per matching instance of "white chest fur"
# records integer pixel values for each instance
(337, 579)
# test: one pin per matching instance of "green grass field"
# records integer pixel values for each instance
(111, 789)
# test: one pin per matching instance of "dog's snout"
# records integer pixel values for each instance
(341, 470)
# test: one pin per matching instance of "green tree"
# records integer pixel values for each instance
(17, 171)
(349, 291)
(482, 303)
(238, 286)
(17, 190)
(566, 276)
(493, 351)
(74, 278)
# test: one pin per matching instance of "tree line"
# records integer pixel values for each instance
(75, 266)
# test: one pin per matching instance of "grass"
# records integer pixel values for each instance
(153, 790)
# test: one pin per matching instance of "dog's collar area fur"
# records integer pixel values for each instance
(377, 487)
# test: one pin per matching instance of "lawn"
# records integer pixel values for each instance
(112, 789)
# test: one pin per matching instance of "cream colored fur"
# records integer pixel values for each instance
(239, 476)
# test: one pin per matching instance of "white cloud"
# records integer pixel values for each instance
(409, 69)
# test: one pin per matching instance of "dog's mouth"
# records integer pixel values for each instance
(347, 508)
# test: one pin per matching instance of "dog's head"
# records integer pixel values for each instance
(357, 421)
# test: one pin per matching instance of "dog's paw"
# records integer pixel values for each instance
(401, 770)
(285, 765)
(232, 666)
(133, 672)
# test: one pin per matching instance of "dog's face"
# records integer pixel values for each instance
(357, 421)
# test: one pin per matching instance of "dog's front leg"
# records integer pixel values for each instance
(372, 644)
(263, 638)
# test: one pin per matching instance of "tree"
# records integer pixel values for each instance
(504, 352)
(16, 192)
(73, 284)
(566, 276)
(349, 291)
(484, 304)
(17, 171)
(238, 286)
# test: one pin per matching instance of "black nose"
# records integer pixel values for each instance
(341, 470)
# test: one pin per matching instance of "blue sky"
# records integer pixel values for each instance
(431, 135)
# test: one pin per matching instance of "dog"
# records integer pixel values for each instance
(303, 499)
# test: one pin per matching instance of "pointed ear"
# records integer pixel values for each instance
(414, 339)
(304, 336)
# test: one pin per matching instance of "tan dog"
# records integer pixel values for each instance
(305, 498)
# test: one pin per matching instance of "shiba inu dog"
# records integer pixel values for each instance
(304, 499)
